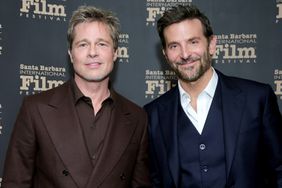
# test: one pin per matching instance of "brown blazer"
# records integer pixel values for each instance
(47, 148)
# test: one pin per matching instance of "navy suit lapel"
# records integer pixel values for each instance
(233, 102)
(63, 127)
(168, 123)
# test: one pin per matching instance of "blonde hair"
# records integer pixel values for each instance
(91, 14)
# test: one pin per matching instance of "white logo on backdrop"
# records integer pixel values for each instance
(37, 78)
(279, 10)
(1, 48)
(122, 51)
(278, 82)
(155, 8)
(41, 9)
(158, 82)
(236, 48)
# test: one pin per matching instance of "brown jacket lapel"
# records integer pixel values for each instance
(63, 127)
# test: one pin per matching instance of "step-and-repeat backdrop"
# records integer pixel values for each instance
(33, 48)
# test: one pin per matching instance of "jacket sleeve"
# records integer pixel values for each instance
(272, 122)
(155, 174)
(20, 157)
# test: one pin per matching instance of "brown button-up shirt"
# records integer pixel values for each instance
(94, 127)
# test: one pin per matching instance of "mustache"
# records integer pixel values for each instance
(188, 59)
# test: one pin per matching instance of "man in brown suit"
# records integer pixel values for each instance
(83, 133)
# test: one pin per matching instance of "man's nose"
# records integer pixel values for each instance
(185, 52)
(92, 51)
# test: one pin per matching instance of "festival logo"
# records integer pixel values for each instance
(37, 78)
(1, 48)
(122, 50)
(155, 8)
(278, 82)
(236, 48)
(279, 10)
(43, 10)
(158, 82)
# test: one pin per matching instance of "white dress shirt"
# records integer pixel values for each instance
(204, 101)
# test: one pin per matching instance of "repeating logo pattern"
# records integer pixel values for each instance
(279, 10)
(155, 8)
(1, 47)
(158, 82)
(37, 78)
(122, 51)
(278, 82)
(42, 10)
(236, 48)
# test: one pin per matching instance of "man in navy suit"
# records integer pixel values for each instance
(211, 130)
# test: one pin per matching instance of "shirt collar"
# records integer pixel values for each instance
(209, 89)
(78, 95)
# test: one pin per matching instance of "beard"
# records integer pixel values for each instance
(192, 73)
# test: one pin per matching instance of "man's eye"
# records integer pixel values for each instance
(102, 44)
(82, 45)
(173, 46)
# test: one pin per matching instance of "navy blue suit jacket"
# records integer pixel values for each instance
(252, 135)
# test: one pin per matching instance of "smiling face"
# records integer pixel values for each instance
(92, 53)
(187, 50)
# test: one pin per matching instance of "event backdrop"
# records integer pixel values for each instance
(33, 48)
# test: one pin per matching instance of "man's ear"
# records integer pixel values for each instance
(164, 53)
(70, 55)
(212, 45)
(115, 55)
